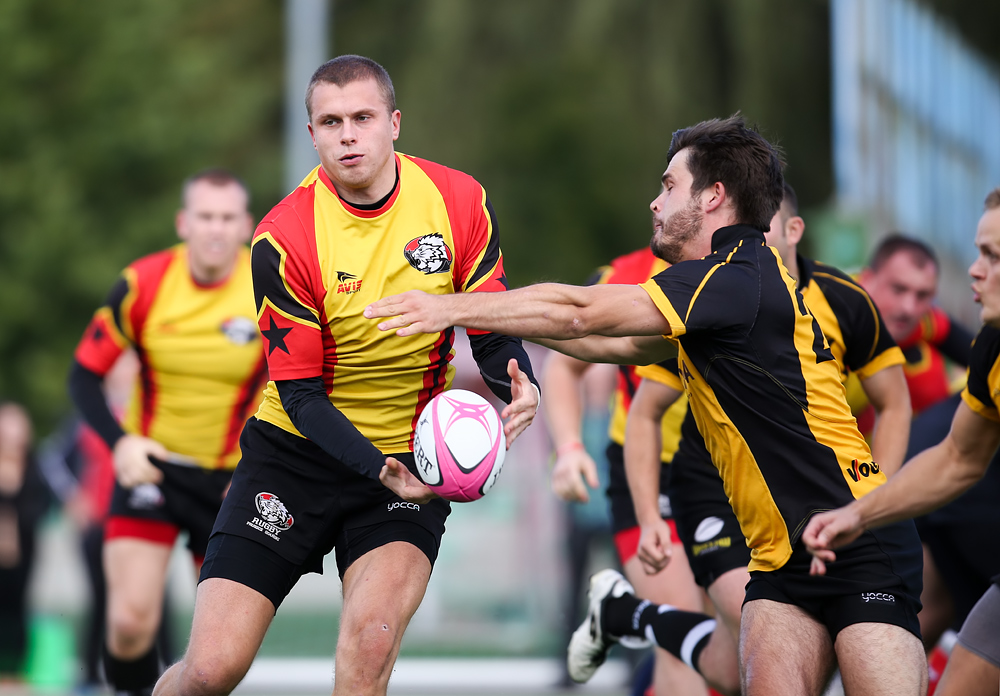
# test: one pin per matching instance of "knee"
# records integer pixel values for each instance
(377, 638)
(130, 625)
(211, 677)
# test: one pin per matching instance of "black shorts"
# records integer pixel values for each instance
(291, 499)
(876, 578)
(187, 499)
(706, 524)
(619, 496)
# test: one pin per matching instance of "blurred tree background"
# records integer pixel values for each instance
(563, 109)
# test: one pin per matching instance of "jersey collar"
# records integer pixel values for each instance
(365, 212)
(727, 236)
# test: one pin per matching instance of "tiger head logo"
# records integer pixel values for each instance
(273, 510)
(428, 254)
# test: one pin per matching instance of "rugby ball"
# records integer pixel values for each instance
(459, 445)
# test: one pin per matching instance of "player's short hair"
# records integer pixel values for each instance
(920, 252)
(343, 70)
(993, 199)
(789, 199)
(216, 176)
(737, 155)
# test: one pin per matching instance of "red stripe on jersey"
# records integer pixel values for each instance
(246, 404)
(147, 396)
(470, 226)
(435, 377)
(359, 212)
(98, 349)
(149, 272)
(156, 531)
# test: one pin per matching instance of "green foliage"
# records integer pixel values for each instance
(107, 107)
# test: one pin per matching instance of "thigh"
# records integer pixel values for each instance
(382, 590)
(727, 594)
(980, 634)
(878, 659)
(783, 650)
(967, 674)
(135, 573)
(230, 620)
(673, 585)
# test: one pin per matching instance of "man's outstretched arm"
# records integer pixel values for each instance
(928, 481)
(546, 310)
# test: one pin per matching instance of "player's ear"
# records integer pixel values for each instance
(395, 119)
(714, 196)
(180, 223)
(795, 226)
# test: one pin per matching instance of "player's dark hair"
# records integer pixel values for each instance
(993, 199)
(343, 70)
(896, 243)
(216, 176)
(789, 198)
(730, 152)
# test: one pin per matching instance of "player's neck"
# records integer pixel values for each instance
(206, 276)
(376, 194)
(792, 264)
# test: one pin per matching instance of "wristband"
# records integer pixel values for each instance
(563, 449)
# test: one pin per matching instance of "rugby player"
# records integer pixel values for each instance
(188, 312)
(574, 470)
(941, 473)
(962, 539)
(709, 530)
(766, 394)
(343, 395)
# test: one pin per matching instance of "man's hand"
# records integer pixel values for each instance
(519, 413)
(574, 467)
(827, 531)
(411, 312)
(655, 547)
(401, 481)
(131, 457)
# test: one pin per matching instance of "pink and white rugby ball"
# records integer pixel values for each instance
(459, 445)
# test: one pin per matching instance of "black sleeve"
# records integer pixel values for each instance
(85, 389)
(308, 407)
(957, 345)
(492, 352)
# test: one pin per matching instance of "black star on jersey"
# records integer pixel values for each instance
(275, 337)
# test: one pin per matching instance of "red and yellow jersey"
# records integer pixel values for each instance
(201, 364)
(927, 372)
(633, 269)
(318, 262)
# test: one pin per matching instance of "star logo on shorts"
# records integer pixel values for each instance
(275, 337)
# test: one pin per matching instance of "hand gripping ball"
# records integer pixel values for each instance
(459, 445)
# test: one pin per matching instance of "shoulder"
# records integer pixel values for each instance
(144, 274)
(633, 267)
(450, 182)
(290, 224)
(836, 284)
(986, 347)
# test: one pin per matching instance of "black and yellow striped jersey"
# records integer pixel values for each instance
(982, 390)
(766, 389)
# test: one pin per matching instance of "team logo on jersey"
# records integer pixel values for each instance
(240, 330)
(429, 254)
(274, 516)
(347, 283)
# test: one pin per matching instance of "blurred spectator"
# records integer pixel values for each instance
(23, 501)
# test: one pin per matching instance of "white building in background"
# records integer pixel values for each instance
(916, 129)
